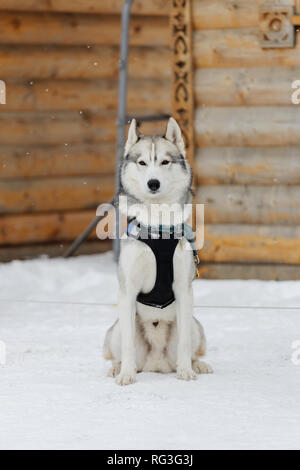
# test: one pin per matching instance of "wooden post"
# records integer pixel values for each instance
(182, 71)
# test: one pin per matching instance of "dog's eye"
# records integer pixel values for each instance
(165, 162)
(142, 163)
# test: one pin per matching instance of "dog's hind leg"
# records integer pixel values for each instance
(112, 348)
(115, 369)
(141, 345)
(198, 339)
(199, 349)
(201, 367)
(111, 352)
(108, 354)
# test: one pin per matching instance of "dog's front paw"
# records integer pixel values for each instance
(184, 373)
(125, 378)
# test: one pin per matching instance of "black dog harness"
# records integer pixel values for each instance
(163, 243)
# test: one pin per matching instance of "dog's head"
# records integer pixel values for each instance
(154, 168)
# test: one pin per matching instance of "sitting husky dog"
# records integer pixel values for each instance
(156, 330)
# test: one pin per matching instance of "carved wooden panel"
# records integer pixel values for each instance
(275, 25)
(182, 73)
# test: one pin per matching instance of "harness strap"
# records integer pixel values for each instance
(135, 229)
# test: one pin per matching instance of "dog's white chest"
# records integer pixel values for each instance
(138, 269)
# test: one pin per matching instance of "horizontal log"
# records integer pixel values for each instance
(247, 126)
(57, 128)
(223, 243)
(267, 272)
(42, 228)
(248, 165)
(250, 204)
(73, 160)
(239, 48)
(82, 94)
(79, 29)
(222, 14)
(252, 86)
(61, 194)
(251, 244)
(140, 7)
(51, 250)
(81, 62)
(67, 128)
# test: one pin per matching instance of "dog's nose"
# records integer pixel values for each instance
(153, 185)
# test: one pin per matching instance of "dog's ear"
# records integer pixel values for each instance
(173, 134)
(133, 136)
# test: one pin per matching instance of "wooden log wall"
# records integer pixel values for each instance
(247, 144)
(59, 60)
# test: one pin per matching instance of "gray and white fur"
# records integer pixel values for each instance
(155, 171)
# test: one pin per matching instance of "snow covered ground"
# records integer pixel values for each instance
(54, 393)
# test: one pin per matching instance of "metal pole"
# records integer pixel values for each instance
(121, 123)
(84, 235)
(122, 109)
